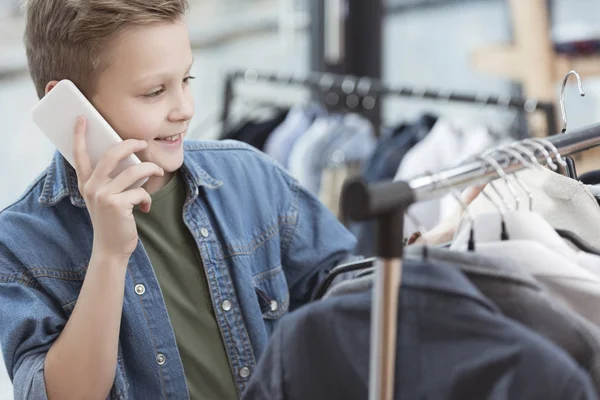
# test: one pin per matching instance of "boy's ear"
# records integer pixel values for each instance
(50, 86)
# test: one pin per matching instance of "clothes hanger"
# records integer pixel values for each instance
(571, 172)
(547, 234)
(359, 265)
(575, 239)
(578, 242)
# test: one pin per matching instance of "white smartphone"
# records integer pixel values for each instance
(56, 114)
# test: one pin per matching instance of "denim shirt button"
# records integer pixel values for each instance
(204, 232)
(274, 306)
(245, 372)
(161, 359)
(140, 289)
(226, 305)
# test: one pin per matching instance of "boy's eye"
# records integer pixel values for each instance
(155, 94)
(187, 79)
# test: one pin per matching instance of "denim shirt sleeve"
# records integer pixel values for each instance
(29, 323)
(313, 246)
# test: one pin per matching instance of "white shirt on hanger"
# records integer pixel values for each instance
(534, 246)
(444, 147)
(564, 202)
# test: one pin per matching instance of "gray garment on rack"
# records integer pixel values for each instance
(521, 298)
(452, 344)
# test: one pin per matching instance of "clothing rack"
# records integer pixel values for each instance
(387, 202)
(362, 93)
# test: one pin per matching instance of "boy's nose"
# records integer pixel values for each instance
(183, 110)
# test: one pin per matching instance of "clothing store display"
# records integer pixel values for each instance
(504, 310)
(453, 343)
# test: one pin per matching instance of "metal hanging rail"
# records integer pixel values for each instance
(362, 93)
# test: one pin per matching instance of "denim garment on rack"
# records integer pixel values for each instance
(452, 344)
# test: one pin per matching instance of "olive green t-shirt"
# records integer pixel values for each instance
(176, 261)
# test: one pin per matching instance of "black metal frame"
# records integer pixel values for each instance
(349, 90)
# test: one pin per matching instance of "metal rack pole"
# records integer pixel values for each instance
(377, 88)
(387, 203)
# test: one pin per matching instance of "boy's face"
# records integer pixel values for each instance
(144, 94)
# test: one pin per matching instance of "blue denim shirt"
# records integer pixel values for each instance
(264, 242)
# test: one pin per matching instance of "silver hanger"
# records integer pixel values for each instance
(519, 157)
(562, 96)
(467, 213)
(492, 161)
(543, 150)
(527, 152)
(501, 211)
(552, 147)
(494, 188)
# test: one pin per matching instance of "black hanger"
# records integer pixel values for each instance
(571, 171)
(578, 241)
(324, 285)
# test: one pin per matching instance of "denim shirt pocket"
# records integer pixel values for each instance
(272, 295)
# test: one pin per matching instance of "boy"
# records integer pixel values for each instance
(175, 298)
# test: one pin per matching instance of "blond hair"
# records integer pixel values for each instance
(65, 39)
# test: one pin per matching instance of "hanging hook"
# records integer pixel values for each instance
(500, 171)
(519, 157)
(553, 148)
(543, 150)
(494, 188)
(506, 158)
(526, 151)
(492, 161)
(562, 96)
(504, 233)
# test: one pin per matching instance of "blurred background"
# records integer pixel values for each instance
(260, 66)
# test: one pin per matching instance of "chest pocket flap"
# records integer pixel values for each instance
(272, 293)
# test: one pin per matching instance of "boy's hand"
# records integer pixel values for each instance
(109, 202)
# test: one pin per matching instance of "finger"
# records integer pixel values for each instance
(114, 155)
(135, 197)
(133, 174)
(83, 165)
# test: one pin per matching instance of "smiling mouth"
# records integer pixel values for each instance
(173, 138)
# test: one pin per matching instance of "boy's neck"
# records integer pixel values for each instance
(155, 183)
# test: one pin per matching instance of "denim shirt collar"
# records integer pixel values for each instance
(61, 180)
